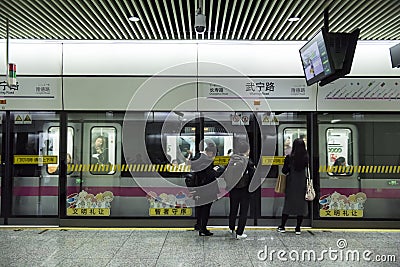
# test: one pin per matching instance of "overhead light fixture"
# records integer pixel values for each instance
(293, 18)
(134, 19)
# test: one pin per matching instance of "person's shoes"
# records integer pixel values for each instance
(297, 230)
(207, 233)
(242, 236)
(281, 229)
(196, 227)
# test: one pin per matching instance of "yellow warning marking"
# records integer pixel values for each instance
(88, 212)
(18, 118)
(170, 212)
(27, 118)
(341, 213)
(34, 159)
(221, 160)
(273, 160)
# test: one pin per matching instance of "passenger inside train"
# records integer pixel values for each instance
(100, 151)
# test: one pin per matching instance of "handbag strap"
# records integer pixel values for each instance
(308, 174)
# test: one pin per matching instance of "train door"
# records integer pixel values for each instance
(338, 153)
(225, 130)
(32, 191)
(94, 154)
(290, 127)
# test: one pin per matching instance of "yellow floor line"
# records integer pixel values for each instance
(250, 228)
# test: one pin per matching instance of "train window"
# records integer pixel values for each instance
(180, 148)
(103, 147)
(339, 150)
(289, 134)
(52, 140)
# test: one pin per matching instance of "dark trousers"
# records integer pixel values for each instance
(202, 217)
(238, 197)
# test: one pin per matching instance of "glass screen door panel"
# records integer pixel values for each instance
(34, 188)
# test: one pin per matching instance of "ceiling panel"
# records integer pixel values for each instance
(174, 19)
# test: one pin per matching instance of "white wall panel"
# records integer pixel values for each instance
(251, 58)
(373, 59)
(135, 94)
(92, 58)
(32, 57)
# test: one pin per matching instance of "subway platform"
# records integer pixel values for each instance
(184, 247)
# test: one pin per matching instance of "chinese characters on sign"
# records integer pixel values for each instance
(43, 89)
(298, 90)
(88, 212)
(260, 87)
(216, 89)
(170, 212)
(338, 205)
(8, 89)
(34, 159)
(341, 213)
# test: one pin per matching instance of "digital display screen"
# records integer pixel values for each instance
(315, 59)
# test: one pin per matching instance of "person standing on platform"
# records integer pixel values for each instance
(294, 168)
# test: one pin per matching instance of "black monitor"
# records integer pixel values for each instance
(395, 56)
(317, 63)
(341, 48)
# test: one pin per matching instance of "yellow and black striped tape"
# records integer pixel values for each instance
(360, 169)
(127, 167)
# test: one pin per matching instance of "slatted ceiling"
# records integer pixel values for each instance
(174, 19)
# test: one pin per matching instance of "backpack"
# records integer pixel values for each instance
(190, 180)
(236, 174)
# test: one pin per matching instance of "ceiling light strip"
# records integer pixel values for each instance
(256, 24)
(178, 32)
(244, 20)
(87, 6)
(189, 16)
(209, 27)
(359, 16)
(149, 19)
(25, 24)
(145, 23)
(267, 17)
(63, 14)
(103, 16)
(162, 20)
(250, 22)
(182, 20)
(31, 11)
(169, 19)
(134, 26)
(155, 16)
(80, 17)
(230, 20)
(237, 19)
(272, 18)
(296, 10)
(122, 19)
(113, 16)
(223, 19)
(282, 19)
(92, 21)
(315, 21)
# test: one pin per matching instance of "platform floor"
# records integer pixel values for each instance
(183, 247)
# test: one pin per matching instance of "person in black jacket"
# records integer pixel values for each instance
(295, 169)
(207, 186)
(239, 195)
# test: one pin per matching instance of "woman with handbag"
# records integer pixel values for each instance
(295, 169)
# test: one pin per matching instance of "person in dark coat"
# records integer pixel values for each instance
(240, 196)
(207, 187)
(294, 168)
